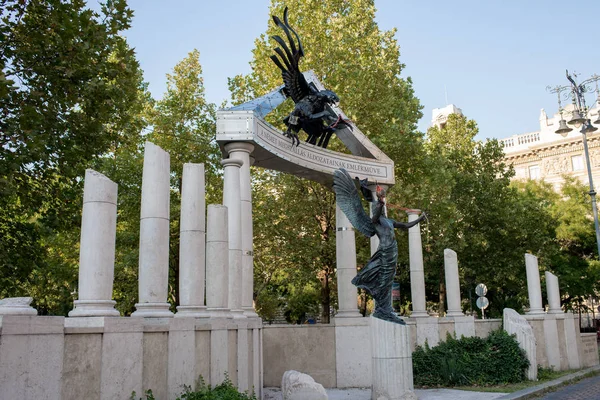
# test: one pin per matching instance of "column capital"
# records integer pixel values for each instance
(413, 211)
(231, 162)
(239, 146)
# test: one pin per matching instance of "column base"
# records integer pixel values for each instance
(250, 312)
(94, 308)
(348, 314)
(153, 310)
(556, 312)
(536, 312)
(455, 314)
(419, 314)
(219, 313)
(238, 314)
(192, 312)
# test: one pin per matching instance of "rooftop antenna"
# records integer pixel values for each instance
(446, 94)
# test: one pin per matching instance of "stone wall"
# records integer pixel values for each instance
(108, 358)
(589, 349)
(339, 354)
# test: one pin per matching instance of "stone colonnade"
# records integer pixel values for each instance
(229, 227)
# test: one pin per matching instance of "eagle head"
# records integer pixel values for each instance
(328, 97)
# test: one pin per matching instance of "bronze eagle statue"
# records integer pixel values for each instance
(312, 112)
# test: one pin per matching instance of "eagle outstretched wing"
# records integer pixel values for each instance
(348, 199)
(296, 86)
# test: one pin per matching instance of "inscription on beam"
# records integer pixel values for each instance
(317, 158)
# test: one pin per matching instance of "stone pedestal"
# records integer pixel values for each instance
(518, 325)
(417, 275)
(232, 200)
(392, 361)
(242, 151)
(345, 249)
(533, 285)
(217, 262)
(97, 248)
(553, 294)
(154, 235)
(192, 243)
(452, 284)
(16, 306)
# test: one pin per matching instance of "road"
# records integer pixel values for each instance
(586, 389)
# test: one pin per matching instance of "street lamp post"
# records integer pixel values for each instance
(579, 119)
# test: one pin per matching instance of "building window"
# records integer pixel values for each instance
(534, 172)
(577, 163)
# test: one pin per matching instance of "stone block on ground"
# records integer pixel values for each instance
(516, 324)
(298, 386)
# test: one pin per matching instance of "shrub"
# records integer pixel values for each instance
(224, 391)
(494, 360)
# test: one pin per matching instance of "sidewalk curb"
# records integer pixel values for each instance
(525, 393)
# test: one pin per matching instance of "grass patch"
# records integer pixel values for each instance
(544, 375)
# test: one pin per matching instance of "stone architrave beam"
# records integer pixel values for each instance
(534, 287)
(192, 243)
(154, 235)
(452, 284)
(97, 248)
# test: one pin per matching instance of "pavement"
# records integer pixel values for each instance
(422, 394)
(563, 388)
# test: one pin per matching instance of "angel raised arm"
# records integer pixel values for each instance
(377, 275)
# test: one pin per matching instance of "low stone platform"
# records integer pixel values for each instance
(422, 394)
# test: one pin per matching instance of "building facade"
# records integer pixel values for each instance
(544, 154)
(547, 155)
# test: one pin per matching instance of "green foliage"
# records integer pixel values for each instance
(223, 391)
(183, 124)
(494, 360)
(294, 220)
(69, 91)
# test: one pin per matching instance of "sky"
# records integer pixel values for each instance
(493, 59)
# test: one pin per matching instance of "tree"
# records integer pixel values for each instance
(69, 85)
(183, 124)
(475, 212)
(360, 62)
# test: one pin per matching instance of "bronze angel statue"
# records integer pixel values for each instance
(377, 275)
(312, 112)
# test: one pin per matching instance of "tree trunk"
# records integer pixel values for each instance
(325, 298)
(442, 298)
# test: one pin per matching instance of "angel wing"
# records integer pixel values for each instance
(348, 199)
(296, 86)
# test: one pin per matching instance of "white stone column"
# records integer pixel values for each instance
(392, 361)
(192, 243)
(553, 294)
(97, 248)
(533, 285)
(242, 151)
(217, 262)
(345, 255)
(232, 200)
(154, 235)
(417, 272)
(452, 284)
